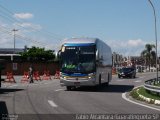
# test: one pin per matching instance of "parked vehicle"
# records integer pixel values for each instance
(127, 72)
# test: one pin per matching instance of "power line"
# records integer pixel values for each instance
(11, 19)
(5, 30)
(21, 22)
(14, 30)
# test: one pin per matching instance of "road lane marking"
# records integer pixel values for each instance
(52, 103)
(142, 77)
(33, 84)
(124, 97)
(13, 85)
(46, 83)
(59, 90)
(138, 81)
(120, 80)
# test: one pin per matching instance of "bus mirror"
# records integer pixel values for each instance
(98, 58)
(58, 54)
(97, 55)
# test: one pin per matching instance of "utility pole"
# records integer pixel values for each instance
(14, 30)
(155, 27)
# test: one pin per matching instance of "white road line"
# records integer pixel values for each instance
(142, 77)
(52, 103)
(46, 83)
(13, 86)
(33, 84)
(124, 97)
(138, 81)
(59, 89)
(120, 80)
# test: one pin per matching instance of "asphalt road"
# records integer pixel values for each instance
(48, 97)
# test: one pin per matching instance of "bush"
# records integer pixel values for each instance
(134, 93)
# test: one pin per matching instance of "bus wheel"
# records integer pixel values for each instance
(68, 88)
(107, 83)
(99, 79)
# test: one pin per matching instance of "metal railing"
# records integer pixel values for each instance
(150, 85)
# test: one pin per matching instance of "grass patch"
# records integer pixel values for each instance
(145, 93)
(158, 84)
(135, 95)
(148, 94)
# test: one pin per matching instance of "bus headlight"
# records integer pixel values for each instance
(91, 76)
(64, 77)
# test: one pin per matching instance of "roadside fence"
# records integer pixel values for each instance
(113, 71)
(57, 75)
(25, 77)
(151, 86)
(36, 76)
(46, 75)
(10, 78)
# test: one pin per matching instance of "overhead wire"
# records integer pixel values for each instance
(5, 30)
(20, 21)
(9, 16)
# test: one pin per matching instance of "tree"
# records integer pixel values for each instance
(149, 55)
(38, 54)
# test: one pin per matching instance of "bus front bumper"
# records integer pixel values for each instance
(79, 82)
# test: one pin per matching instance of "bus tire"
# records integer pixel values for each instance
(100, 82)
(107, 83)
(68, 88)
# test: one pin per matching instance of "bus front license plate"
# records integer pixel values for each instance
(77, 83)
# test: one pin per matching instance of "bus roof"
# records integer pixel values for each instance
(80, 40)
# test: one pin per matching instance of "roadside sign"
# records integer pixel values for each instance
(15, 66)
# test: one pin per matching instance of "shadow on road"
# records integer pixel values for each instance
(103, 88)
(3, 109)
(128, 78)
(7, 90)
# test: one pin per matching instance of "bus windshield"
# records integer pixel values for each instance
(78, 59)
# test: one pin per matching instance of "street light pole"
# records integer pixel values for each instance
(14, 30)
(155, 27)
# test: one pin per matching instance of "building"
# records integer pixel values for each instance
(137, 60)
(10, 54)
(117, 59)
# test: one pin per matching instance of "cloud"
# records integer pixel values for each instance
(23, 15)
(27, 27)
(31, 25)
(6, 37)
(28, 30)
(6, 40)
(127, 48)
(135, 43)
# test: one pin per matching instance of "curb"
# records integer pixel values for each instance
(148, 100)
(124, 96)
(130, 99)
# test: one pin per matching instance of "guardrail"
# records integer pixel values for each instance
(150, 85)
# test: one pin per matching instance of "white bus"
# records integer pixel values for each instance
(85, 62)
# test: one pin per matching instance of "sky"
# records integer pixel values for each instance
(125, 25)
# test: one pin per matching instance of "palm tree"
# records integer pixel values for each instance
(149, 55)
